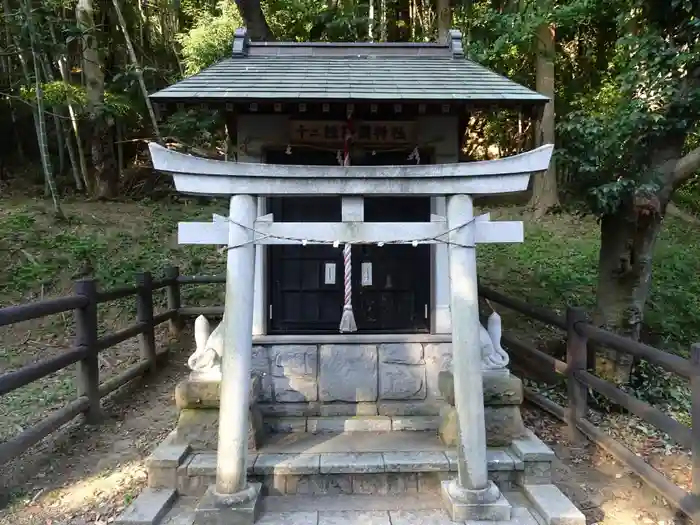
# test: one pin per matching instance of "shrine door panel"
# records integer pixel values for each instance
(392, 292)
(391, 283)
(305, 286)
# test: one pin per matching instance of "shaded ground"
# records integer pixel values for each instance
(603, 489)
(93, 473)
(88, 475)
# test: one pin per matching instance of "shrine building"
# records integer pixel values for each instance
(404, 103)
(351, 318)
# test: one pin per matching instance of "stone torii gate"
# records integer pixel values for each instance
(471, 495)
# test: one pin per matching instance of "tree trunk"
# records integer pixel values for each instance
(545, 195)
(10, 81)
(254, 18)
(63, 68)
(627, 241)
(40, 117)
(624, 277)
(100, 127)
(383, 27)
(43, 139)
(103, 158)
(444, 20)
(61, 139)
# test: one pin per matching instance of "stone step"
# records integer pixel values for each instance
(204, 463)
(350, 463)
(331, 471)
(379, 408)
(553, 506)
(317, 425)
(148, 508)
(278, 504)
(413, 509)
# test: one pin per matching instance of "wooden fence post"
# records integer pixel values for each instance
(174, 302)
(86, 337)
(144, 314)
(576, 357)
(695, 415)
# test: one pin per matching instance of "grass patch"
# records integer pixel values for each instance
(40, 258)
(557, 265)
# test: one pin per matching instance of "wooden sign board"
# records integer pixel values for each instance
(364, 132)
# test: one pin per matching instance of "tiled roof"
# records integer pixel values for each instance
(340, 71)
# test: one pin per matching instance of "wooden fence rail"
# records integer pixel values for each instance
(577, 373)
(87, 345)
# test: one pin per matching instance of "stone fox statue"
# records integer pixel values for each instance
(209, 347)
(492, 354)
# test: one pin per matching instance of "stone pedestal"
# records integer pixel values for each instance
(503, 395)
(198, 423)
(241, 508)
(481, 505)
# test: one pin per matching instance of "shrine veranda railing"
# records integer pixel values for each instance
(575, 372)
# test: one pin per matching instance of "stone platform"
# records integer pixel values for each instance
(198, 401)
(378, 458)
(354, 477)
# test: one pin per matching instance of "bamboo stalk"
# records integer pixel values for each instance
(7, 61)
(38, 112)
(72, 113)
(137, 68)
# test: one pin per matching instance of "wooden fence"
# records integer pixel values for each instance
(577, 372)
(87, 344)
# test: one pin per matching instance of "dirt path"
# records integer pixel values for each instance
(90, 477)
(603, 489)
(93, 473)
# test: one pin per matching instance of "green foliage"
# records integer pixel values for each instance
(688, 195)
(210, 39)
(616, 139)
(557, 266)
(503, 41)
(196, 128)
(315, 20)
(622, 95)
(59, 94)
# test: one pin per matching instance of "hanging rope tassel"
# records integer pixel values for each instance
(347, 321)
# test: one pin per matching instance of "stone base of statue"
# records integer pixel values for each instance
(241, 508)
(503, 395)
(198, 423)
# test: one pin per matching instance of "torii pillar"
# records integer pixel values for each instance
(233, 500)
(472, 496)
